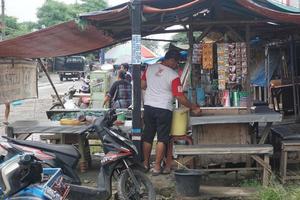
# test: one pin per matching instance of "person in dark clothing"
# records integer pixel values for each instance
(120, 93)
(125, 67)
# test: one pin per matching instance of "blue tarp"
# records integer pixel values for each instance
(258, 76)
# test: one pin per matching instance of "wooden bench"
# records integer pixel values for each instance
(222, 149)
(286, 147)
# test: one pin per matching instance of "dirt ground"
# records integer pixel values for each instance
(211, 185)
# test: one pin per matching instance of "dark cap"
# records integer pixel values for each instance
(172, 54)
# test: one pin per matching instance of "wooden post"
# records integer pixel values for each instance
(46, 72)
(266, 74)
(292, 59)
(248, 82)
(283, 165)
(136, 132)
(193, 79)
(266, 174)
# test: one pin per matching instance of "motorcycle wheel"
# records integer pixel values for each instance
(56, 106)
(126, 187)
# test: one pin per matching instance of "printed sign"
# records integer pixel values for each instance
(18, 79)
(136, 50)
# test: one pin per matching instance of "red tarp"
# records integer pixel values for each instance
(63, 39)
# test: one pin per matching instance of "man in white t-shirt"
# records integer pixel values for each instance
(162, 84)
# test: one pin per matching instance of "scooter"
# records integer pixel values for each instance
(120, 161)
(22, 177)
(65, 157)
(67, 100)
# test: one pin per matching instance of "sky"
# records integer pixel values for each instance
(25, 10)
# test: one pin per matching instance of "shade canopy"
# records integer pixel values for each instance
(122, 53)
(113, 25)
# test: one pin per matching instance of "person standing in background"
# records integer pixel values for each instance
(120, 93)
(125, 67)
(6, 112)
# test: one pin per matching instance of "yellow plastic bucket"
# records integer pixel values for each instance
(179, 122)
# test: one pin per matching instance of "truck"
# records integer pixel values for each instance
(70, 67)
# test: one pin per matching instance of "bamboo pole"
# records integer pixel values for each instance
(46, 72)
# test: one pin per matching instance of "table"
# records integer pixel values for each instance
(23, 129)
(267, 118)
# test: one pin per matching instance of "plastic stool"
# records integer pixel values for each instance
(174, 138)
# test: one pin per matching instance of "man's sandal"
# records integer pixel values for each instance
(155, 172)
(166, 171)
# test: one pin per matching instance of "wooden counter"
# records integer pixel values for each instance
(230, 126)
(239, 118)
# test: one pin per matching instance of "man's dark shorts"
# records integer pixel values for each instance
(157, 120)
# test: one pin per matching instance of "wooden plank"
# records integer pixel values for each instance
(202, 149)
(291, 142)
(230, 169)
(291, 148)
(265, 133)
(244, 118)
(221, 134)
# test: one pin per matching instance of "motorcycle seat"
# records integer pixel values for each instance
(68, 150)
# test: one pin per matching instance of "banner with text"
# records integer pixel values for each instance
(18, 79)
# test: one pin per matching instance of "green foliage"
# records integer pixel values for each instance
(53, 12)
(92, 5)
(273, 192)
(250, 183)
(14, 29)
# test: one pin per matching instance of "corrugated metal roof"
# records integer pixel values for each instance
(63, 39)
(113, 25)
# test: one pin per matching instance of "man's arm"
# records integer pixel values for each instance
(179, 95)
(144, 81)
(184, 101)
(106, 100)
(143, 84)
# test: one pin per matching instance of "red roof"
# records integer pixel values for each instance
(147, 53)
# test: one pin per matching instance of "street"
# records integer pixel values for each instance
(33, 109)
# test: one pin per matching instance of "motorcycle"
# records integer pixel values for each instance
(120, 161)
(65, 157)
(67, 100)
(22, 177)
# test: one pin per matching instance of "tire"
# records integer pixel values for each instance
(61, 78)
(125, 186)
(56, 106)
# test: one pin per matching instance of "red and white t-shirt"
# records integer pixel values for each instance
(163, 84)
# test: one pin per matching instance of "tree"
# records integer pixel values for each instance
(14, 29)
(53, 12)
(92, 5)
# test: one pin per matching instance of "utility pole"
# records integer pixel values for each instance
(2, 20)
(136, 64)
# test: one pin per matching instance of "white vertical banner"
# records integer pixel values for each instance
(136, 50)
